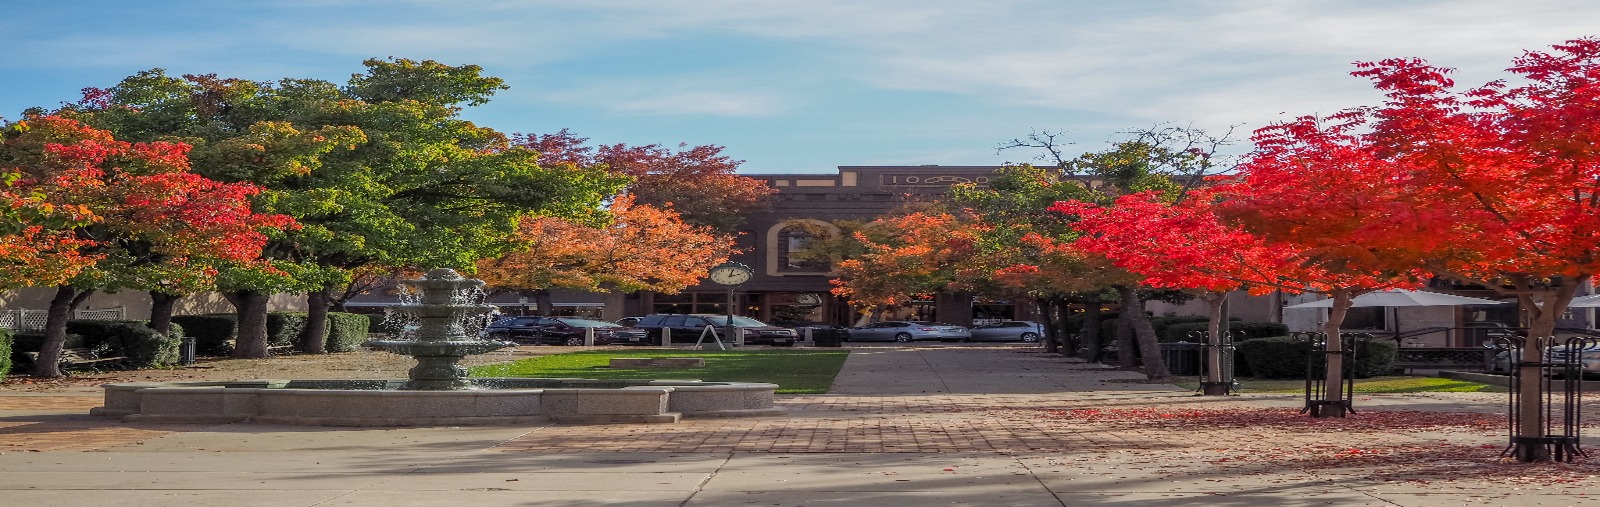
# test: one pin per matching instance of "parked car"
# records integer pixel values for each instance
(1588, 358)
(1486, 333)
(687, 328)
(905, 331)
(561, 331)
(820, 331)
(628, 321)
(1008, 331)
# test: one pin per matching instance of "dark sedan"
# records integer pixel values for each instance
(561, 331)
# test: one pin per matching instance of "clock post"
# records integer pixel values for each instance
(731, 274)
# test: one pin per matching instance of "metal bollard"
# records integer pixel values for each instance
(808, 341)
(588, 337)
(666, 337)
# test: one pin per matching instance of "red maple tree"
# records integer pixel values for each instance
(1509, 177)
(110, 214)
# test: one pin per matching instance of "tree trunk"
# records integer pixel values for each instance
(1069, 342)
(161, 305)
(48, 362)
(541, 298)
(1333, 379)
(1047, 314)
(314, 339)
(251, 308)
(1145, 334)
(1214, 329)
(1541, 309)
(1093, 314)
(1127, 355)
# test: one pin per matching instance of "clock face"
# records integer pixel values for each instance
(730, 275)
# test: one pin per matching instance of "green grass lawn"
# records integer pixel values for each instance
(795, 371)
(1375, 385)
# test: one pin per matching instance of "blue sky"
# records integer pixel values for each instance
(807, 85)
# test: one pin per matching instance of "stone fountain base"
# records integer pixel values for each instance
(496, 401)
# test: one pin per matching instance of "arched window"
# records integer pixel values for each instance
(787, 240)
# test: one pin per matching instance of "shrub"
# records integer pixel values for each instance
(213, 333)
(144, 347)
(1164, 325)
(1240, 330)
(1258, 329)
(1285, 357)
(5, 354)
(22, 343)
(346, 331)
(285, 328)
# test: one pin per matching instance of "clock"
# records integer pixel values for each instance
(731, 273)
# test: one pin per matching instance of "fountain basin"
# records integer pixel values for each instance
(493, 401)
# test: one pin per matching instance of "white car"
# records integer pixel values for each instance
(1008, 331)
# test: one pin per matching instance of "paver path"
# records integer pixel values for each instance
(969, 425)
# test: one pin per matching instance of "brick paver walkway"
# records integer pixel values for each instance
(1050, 414)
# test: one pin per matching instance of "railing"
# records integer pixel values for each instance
(33, 320)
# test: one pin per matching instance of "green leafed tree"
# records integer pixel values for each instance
(379, 172)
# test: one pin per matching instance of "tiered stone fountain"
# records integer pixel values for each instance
(440, 340)
(438, 390)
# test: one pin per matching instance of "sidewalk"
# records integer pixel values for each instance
(944, 425)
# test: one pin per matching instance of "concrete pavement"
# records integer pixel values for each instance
(911, 426)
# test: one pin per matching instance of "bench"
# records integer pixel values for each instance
(658, 362)
(78, 358)
(1443, 358)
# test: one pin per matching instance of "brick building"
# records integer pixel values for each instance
(789, 289)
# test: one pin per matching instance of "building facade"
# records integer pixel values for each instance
(787, 288)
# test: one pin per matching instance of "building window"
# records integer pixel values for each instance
(787, 240)
(791, 242)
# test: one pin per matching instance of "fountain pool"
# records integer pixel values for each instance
(437, 390)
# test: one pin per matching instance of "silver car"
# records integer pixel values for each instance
(1588, 359)
(1008, 331)
(905, 331)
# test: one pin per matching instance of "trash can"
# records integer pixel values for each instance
(827, 337)
(186, 351)
(1182, 358)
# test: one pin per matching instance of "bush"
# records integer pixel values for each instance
(1240, 330)
(346, 331)
(22, 343)
(1258, 329)
(134, 339)
(1285, 357)
(5, 354)
(213, 333)
(1164, 325)
(285, 328)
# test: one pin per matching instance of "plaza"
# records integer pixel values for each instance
(930, 425)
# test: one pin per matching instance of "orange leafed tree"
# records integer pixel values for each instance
(641, 248)
(908, 255)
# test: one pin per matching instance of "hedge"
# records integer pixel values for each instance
(285, 328)
(144, 347)
(1164, 325)
(346, 331)
(1181, 331)
(213, 333)
(5, 354)
(1285, 357)
(22, 343)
